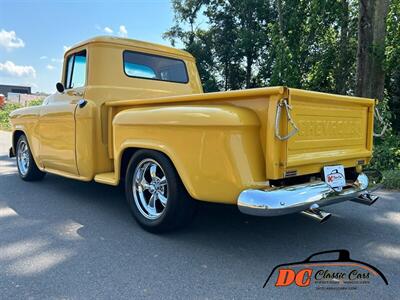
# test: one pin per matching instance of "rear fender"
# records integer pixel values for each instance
(216, 149)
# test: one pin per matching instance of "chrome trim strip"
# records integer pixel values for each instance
(296, 198)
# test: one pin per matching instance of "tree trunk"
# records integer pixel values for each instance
(249, 64)
(226, 68)
(282, 39)
(378, 46)
(364, 57)
(371, 48)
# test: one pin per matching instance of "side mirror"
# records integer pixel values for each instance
(60, 87)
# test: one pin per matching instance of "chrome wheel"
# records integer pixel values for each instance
(150, 189)
(23, 157)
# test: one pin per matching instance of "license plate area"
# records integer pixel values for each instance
(335, 176)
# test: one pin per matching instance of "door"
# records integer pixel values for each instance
(57, 119)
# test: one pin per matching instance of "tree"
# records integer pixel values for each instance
(223, 28)
(324, 45)
(371, 48)
(196, 41)
(392, 63)
(342, 70)
(232, 44)
(252, 15)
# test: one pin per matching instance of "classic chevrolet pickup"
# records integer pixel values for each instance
(134, 112)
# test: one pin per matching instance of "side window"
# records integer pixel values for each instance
(75, 75)
(70, 63)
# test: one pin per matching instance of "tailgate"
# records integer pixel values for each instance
(333, 129)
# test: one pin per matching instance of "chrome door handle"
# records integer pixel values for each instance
(75, 93)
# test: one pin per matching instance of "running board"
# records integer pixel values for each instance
(106, 178)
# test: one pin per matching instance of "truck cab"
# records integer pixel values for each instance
(99, 70)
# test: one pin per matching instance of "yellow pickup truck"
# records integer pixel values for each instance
(135, 112)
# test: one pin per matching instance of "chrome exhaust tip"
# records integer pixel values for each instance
(316, 213)
(366, 199)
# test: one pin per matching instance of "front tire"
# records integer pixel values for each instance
(157, 198)
(27, 168)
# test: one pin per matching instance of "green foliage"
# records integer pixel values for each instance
(386, 115)
(391, 179)
(8, 108)
(35, 102)
(4, 115)
(386, 153)
(308, 44)
(195, 40)
(392, 65)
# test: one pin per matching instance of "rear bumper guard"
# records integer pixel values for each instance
(297, 198)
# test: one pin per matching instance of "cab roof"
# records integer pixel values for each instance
(131, 43)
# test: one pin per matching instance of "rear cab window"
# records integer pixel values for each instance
(154, 67)
(75, 74)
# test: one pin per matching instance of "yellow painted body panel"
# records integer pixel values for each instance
(57, 134)
(332, 130)
(210, 146)
(220, 143)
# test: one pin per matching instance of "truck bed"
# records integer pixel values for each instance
(332, 129)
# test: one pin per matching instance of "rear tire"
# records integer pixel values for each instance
(27, 168)
(156, 196)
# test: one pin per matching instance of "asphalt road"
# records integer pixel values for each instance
(66, 239)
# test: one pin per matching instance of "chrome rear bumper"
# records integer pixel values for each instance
(297, 198)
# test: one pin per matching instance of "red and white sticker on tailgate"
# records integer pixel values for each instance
(334, 176)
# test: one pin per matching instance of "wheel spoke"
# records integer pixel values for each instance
(152, 202)
(162, 198)
(153, 169)
(163, 181)
(141, 196)
(144, 184)
(138, 176)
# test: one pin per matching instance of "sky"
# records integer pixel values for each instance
(34, 34)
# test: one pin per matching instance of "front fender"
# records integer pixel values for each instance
(25, 120)
(216, 149)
